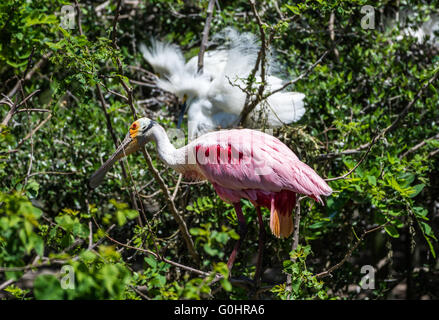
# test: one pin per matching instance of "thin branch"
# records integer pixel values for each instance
(350, 251)
(354, 168)
(15, 106)
(419, 145)
(249, 103)
(114, 137)
(12, 92)
(205, 35)
(301, 76)
(174, 194)
(33, 110)
(90, 235)
(181, 223)
(53, 172)
(29, 135)
(78, 15)
(332, 33)
(295, 242)
(433, 153)
(116, 18)
(6, 283)
(391, 127)
(175, 264)
(140, 293)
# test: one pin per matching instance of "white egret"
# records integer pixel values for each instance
(214, 97)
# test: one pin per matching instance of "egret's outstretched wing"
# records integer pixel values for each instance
(279, 109)
(165, 58)
(214, 63)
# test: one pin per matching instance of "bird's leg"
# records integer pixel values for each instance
(242, 232)
(261, 247)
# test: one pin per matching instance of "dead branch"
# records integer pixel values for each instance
(205, 35)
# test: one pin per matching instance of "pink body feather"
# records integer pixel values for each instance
(256, 166)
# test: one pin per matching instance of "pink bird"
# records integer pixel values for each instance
(240, 164)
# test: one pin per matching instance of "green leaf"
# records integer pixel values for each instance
(391, 231)
(372, 180)
(225, 283)
(151, 261)
(416, 190)
(420, 212)
(48, 287)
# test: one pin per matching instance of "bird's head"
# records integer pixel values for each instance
(139, 134)
(140, 131)
(187, 86)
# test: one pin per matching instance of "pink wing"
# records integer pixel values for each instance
(249, 159)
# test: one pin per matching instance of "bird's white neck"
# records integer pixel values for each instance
(167, 152)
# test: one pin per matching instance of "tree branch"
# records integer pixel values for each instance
(389, 128)
(205, 35)
(350, 251)
(181, 223)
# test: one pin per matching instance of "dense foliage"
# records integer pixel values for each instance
(68, 96)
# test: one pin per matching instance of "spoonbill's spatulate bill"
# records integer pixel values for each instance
(240, 164)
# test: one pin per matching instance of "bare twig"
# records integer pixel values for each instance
(53, 172)
(175, 264)
(350, 251)
(116, 18)
(331, 32)
(14, 107)
(354, 168)
(419, 145)
(249, 103)
(6, 283)
(389, 128)
(205, 35)
(33, 110)
(78, 16)
(140, 293)
(181, 223)
(38, 127)
(174, 194)
(90, 235)
(28, 76)
(295, 242)
(433, 153)
(301, 76)
(114, 137)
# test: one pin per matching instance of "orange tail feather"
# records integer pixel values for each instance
(281, 225)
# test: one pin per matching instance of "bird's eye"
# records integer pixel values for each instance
(134, 126)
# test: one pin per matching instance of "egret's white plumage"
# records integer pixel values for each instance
(426, 32)
(214, 97)
(165, 58)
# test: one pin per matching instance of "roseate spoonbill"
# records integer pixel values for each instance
(218, 102)
(240, 164)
